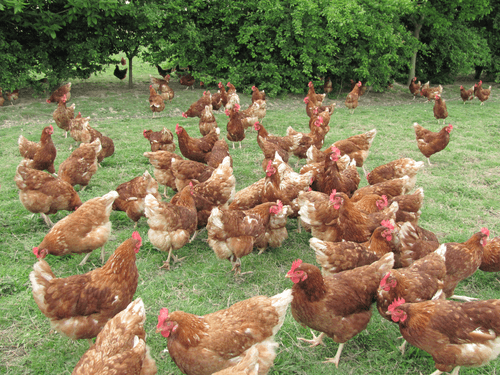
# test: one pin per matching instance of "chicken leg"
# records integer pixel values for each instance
(336, 359)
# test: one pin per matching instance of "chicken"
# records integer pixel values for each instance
(107, 144)
(2, 99)
(160, 84)
(207, 120)
(330, 177)
(335, 257)
(463, 260)
(419, 282)
(162, 163)
(218, 154)
(315, 138)
(40, 192)
(249, 196)
(352, 98)
(478, 86)
(317, 212)
(483, 94)
(156, 103)
(409, 206)
(232, 234)
(132, 194)
(269, 150)
(203, 345)
(39, 155)
(466, 94)
(120, 347)
(491, 256)
(257, 95)
(414, 244)
(354, 224)
(81, 165)
(79, 128)
(415, 87)
(187, 80)
(362, 89)
(223, 95)
(339, 305)
(430, 92)
(395, 169)
(259, 357)
(391, 188)
(120, 73)
(171, 225)
(328, 86)
(235, 126)
(455, 334)
(57, 95)
(166, 92)
(63, 115)
(186, 171)
(160, 140)
(315, 99)
(429, 142)
(232, 96)
(164, 72)
(356, 146)
(197, 149)
(79, 306)
(288, 143)
(255, 112)
(215, 191)
(283, 183)
(440, 111)
(12, 96)
(196, 109)
(82, 231)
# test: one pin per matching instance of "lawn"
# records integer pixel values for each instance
(461, 196)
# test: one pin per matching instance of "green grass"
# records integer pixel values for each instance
(461, 196)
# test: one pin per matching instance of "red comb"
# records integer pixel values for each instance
(295, 264)
(306, 100)
(237, 106)
(384, 279)
(397, 302)
(35, 251)
(485, 231)
(387, 224)
(332, 195)
(162, 317)
(310, 84)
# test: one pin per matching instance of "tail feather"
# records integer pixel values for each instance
(281, 302)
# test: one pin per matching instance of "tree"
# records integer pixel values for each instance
(443, 23)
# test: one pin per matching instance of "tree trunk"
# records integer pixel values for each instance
(413, 62)
(130, 83)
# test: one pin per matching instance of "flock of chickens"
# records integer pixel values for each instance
(368, 244)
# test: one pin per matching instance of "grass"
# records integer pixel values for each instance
(460, 197)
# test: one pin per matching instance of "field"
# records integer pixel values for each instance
(461, 196)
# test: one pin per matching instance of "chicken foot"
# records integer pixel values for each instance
(315, 341)
(336, 359)
(47, 220)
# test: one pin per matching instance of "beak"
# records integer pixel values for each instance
(158, 330)
(287, 276)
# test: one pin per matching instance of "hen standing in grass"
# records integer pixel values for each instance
(339, 305)
(203, 345)
(132, 194)
(415, 87)
(61, 92)
(440, 111)
(197, 149)
(160, 140)
(81, 165)
(171, 225)
(40, 192)
(79, 306)
(120, 347)
(466, 94)
(156, 102)
(39, 155)
(430, 142)
(63, 115)
(82, 231)
(455, 334)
